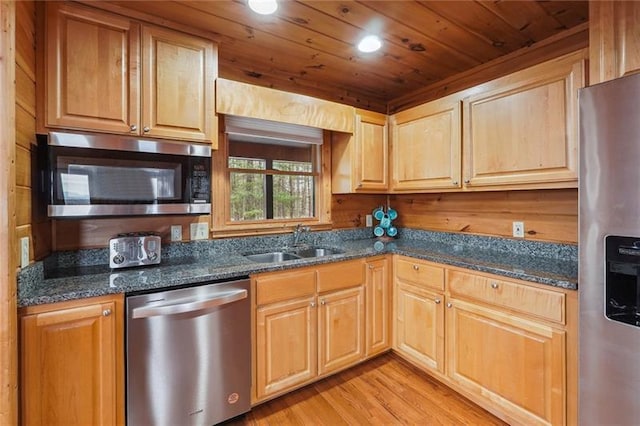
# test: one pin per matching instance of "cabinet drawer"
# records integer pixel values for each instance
(340, 275)
(285, 286)
(545, 304)
(419, 273)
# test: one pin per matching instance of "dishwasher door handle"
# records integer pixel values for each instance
(193, 306)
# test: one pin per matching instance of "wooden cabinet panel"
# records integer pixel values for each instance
(518, 365)
(340, 329)
(91, 79)
(420, 325)
(286, 353)
(419, 273)
(71, 364)
(614, 40)
(178, 74)
(538, 302)
(340, 275)
(378, 306)
(281, 286)
(522, 129)
(360, 162)
(426, 147)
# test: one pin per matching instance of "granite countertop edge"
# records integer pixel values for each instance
(235, 265)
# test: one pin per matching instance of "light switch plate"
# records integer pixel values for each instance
(199, 231)
(24, 252)
(176, 232)
(518, 229)
(369, 220)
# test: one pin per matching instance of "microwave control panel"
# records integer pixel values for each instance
(128, 250)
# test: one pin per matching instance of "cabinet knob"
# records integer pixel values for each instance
(133, 127)
(106, 312)
(416, 267)
(323, 302)
(313, 304)
(455, 182)
(467, 181)
(370, 266)
(146, 129)
(494, 284)
(437, 301)
(449, 305)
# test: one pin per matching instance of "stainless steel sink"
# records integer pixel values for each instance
(317, 252)
(282, 256)
(272, 257)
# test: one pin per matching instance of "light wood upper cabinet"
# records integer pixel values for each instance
(521, 130)
(178, 78)
(426, 146)
(72, 363)
(92, 79)
(614, 40)
(360, 161)
(520, 365)
(378, 306)
(106, 73)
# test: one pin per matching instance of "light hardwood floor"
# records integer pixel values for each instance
(384, 391)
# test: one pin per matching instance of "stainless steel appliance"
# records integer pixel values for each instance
(189, 355)
(609, 246)
(109, 175)
(134, 249)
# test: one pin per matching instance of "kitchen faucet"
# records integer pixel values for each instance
(297, 233)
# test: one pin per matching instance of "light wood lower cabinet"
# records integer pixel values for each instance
(420, 325)
(309, 322)
(506, 344)
(72, 363)
(378, 306)
(516, 363)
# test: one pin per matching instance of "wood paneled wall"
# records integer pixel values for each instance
(8, 260)
(30, 222)
(349, 210)
(548, 215)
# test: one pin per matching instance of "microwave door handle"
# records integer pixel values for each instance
(194, 306)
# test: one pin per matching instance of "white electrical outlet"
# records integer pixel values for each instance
(518, 229)
(176, 232)
(369, 220)
(24, 252)
(199, 231)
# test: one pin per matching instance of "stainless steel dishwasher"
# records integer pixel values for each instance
(189, 355)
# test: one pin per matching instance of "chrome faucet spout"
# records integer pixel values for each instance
(297, 233)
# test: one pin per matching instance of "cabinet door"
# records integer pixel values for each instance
(340, 329)
(517, 364)
(178, 77)
(420, 325)
(371, 156)
(91, 75)
(378, 299)
(285, 345)
(614, 41)
(426, 145)
(521, 130)
(69, 366)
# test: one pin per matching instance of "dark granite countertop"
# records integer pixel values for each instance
(554, 265)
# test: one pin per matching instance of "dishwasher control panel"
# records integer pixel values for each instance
(126, 250)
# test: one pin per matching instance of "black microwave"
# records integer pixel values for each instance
(86, 175)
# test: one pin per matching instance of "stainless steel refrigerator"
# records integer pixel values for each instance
(609, 246)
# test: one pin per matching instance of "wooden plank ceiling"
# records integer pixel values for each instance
(308, 47)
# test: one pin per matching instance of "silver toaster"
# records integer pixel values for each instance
(135, 249)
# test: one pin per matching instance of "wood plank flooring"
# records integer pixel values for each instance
(383, 391)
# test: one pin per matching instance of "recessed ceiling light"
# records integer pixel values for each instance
(263, 7)
(369, 44)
